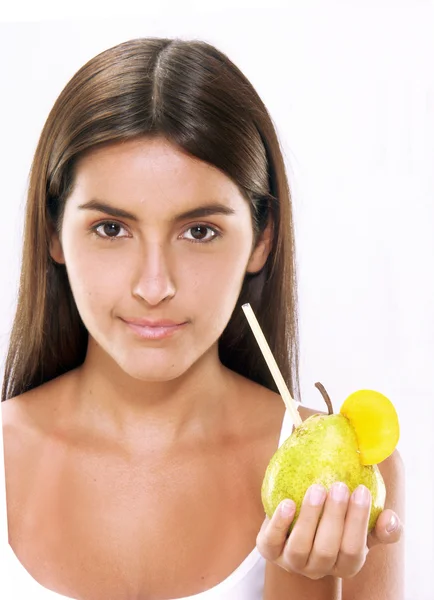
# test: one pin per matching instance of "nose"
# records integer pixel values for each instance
(153, 281)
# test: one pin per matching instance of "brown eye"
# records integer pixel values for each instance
(201, 233)
(109, 229)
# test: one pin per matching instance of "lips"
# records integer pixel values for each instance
(154, 329)
(153, 323)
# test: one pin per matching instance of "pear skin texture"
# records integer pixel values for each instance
(323, 450)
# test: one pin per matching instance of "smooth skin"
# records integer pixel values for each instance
(152, 443)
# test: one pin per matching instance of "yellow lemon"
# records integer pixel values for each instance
(375, 422)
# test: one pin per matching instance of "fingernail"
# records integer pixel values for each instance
(361, 496)
(392, 524)
(316, 495)
(339, 491)
(286, 508)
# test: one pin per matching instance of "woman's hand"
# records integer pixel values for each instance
(335, 544)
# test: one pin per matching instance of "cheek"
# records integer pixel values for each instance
(96, 280)
(213, 284)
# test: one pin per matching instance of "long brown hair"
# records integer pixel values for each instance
(194, 96)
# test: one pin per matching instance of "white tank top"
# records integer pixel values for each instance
(16, 583)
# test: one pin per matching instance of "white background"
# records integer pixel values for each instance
(350, 86)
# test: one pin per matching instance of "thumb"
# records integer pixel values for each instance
(388, 529)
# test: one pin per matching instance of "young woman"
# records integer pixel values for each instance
(140, 415)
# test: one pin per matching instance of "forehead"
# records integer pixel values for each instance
(154, 169)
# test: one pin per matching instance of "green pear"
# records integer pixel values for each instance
(323, 450)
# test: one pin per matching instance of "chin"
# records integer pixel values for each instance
(155, 371)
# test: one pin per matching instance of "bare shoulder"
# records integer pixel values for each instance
(19, 419)
(259, 411)
(265, 407)
(29, 423)
(26, 419)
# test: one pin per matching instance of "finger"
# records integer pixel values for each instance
(353, 551)
(271, 538)
(388, 529)
(330, 531)
(300, 542)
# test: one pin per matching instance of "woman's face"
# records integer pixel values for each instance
(156, 245)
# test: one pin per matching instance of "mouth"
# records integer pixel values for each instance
(154, 330)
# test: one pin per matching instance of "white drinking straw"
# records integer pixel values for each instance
(272, 365)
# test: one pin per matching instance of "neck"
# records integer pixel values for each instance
(195, 403)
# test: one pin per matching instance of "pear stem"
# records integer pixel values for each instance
(325, 396)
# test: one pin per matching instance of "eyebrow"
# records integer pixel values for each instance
(200, 211)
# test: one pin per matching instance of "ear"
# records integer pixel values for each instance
(262, 250)
(56, 250)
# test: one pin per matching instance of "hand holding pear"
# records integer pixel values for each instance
(325, 449)
(329, 456)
